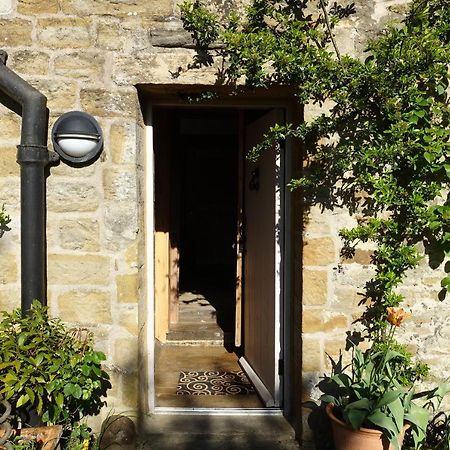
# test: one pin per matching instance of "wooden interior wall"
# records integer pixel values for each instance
(162, 222)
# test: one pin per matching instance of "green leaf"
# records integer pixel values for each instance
(69, 389)
(355, 417)
(60, 400)
(328, 399)
(77, 391)
(23, 400)
(447, 170)
(21, 339)
(445, 283)
(30, 394)
(39, 358)
(388, 397)
(363, 403)
(418, 417)
(398, 413)
(388, 426)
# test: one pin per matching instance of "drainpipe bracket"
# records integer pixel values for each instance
(53, 158)
(33, 154)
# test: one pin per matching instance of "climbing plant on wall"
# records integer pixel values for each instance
(382, 149)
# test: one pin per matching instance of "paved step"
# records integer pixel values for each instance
(227, 432)
(215, 443)
(195, 333)
(197, 314)
(195, 308)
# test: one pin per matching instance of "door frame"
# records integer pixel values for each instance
(174, 97)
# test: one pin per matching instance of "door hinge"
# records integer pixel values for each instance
(281, 367)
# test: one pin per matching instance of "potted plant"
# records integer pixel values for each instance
(374, 400)
(50, 375)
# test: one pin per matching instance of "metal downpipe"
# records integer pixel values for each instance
(33, 157)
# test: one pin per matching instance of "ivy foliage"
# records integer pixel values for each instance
(49, 369)
(382, 149)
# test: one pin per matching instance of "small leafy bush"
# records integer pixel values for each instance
(48, 369)
(4, 221)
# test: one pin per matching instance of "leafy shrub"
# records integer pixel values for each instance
(46, 368)
(4, 221)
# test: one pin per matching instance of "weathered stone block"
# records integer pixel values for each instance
(15, 32)
(126, 354)
(319, 252)
(121, 225)
(317, 222)
(80, 234)
(336, 348)
(128, 319)
(123, 143)
(171, 38)
(71, 196)
(118, 8)
(66, 171)
(347, 297)
(130, 391)
(29, 62)
(316, 321)
(363, 257)
(10, 194)
(5, 7)
(8, 268)
(127, 288)
(103, 102)
(78, 269)
(315, 287)
(120, 184)
(74, 305)
(85, 65)
(10, 126)
(150, 67)
(312, 358)
(32, 7)
(109, 36)
(8, 163)
(353, 275)
(64, 32)
(9, 298)
(131, 255)
(61, 95)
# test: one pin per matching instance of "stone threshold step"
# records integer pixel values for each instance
(253, 442)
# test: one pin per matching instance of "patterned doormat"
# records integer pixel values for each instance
(213, 383)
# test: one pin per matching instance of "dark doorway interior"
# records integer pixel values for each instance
(204, 190)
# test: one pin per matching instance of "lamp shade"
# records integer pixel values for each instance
(77, 137)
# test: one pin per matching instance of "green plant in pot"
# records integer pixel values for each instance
(49, 370)
(378, 392)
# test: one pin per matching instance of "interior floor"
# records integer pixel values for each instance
(172, 359)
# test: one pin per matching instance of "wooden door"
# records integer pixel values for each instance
(262, 264)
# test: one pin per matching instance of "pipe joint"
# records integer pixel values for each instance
(33, 154)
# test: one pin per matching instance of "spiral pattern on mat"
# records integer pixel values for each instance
(213, 383)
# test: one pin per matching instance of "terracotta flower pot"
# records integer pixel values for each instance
(345, 438)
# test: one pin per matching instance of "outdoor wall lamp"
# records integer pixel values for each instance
(77, 137)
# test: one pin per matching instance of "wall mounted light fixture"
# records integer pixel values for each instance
(77, 138)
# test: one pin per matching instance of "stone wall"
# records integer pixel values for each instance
(88, 55)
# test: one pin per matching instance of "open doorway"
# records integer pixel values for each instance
(218, 269)
(205, 192)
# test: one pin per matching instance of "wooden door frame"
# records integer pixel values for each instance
(173, 96)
